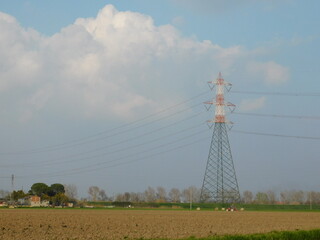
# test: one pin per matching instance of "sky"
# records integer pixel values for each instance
(110, 93)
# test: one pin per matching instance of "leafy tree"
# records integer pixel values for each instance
(39, 189)
(57, 188)
(46, 197)
(59, 199)
(50, 192)
(18, 194)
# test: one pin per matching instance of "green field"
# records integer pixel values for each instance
(286, 235)
(208, 206)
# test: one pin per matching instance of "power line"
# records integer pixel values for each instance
(95, 137)
(78, 143)
(278, 115)
(146, 157)
(275, 135)
(99, 136)
(314, 94)
(84, 169)
(148, 133)
(87, 168)
(74, 159)
(101, 164)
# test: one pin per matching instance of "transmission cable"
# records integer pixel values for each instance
(275, 135)
(314, 94)
(64, 146)
(278, 115)
(75, 159)
(85, 140)
(83, 169)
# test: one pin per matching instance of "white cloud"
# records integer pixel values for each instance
(270, 72)
(248, 105)
(116, 65)
(19, 61)
(227, 57)
(35, 103)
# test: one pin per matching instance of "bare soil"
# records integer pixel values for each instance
(133, 224)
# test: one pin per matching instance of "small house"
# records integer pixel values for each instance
(44, 203)
(23, 201)
(3, 203)
(35, 201)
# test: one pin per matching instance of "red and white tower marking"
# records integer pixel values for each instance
(221, 84)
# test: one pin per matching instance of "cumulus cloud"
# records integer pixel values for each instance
(19, 61)
(270, 72)
(35, 103)
(115, 65)
(248, 105)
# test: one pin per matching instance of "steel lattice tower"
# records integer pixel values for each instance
(220, 182)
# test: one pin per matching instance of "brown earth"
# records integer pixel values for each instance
(132, 224)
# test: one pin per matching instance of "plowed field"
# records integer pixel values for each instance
(132, 224)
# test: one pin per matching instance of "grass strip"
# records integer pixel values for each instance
(285, 235)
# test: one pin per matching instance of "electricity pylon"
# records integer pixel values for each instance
(220, 182)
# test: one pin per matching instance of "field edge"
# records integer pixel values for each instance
(313, 234)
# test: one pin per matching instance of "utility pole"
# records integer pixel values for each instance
(12, 188)
(191, 198)
(310, 201)
(220, 181)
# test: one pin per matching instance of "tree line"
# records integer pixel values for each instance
(59, 194)
(192, 194)
(284, 197)
(158, 194)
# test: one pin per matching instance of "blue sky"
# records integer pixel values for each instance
(73, 69)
